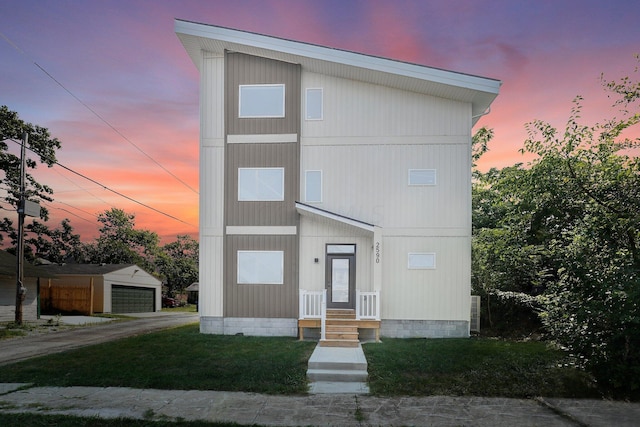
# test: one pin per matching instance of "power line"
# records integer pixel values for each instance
(107, 188)
(95, 113)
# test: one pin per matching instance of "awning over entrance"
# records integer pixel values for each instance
(317, 213)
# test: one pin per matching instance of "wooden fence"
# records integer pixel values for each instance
(58, 298)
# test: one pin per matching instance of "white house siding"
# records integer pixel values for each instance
(211, 300)
(369, 139)
(438, 294)
(315, 235)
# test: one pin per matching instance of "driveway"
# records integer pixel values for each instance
(17, 349)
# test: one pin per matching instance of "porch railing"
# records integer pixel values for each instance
(367, 305)
(311, 304)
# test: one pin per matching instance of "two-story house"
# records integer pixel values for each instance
(331, 179)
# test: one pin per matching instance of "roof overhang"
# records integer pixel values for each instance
(202, 39)
(314, 212)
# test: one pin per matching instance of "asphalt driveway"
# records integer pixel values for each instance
(21, 348)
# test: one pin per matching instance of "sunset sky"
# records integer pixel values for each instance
(111, 80)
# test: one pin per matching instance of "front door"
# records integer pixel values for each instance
(341, 276)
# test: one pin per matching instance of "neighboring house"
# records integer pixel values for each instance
(117, 288)
(323, 170)
(8, 289)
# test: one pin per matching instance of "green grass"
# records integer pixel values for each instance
(473, 367)
(184, 359)
(179, 358)
(37, 420)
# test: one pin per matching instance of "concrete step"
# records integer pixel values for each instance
(337, 365)
(329, 387)
(337, 375)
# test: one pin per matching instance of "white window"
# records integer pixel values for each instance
(422, 177)
(422, 261)
(260, 184)
(313, 186)
(341, 249)
(261, 267)
(314, 104)
(261, 101)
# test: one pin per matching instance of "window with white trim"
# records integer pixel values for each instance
(261, 101)
(313, 186)
(314, 104)
(260, 267)
(260, 184)
(422, 177)
(422, 261)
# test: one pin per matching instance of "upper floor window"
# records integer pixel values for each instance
(422, 177)
(314, 104)
(313, 186)
(260, 184)
(261, 101)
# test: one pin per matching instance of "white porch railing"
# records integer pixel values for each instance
(367, 305)
(311, 305)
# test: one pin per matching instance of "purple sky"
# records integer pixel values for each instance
(123, 60)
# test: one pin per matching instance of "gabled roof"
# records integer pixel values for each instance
(84, 269)
(313, 211)
(215, 40)
(8, 267)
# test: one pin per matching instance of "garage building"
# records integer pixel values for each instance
(117, 288)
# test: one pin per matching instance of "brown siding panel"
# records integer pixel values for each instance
(273, 213)
(267, 301)
(244, 69)
(261, 301)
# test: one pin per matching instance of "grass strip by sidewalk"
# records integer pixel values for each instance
(184, 359)
(473, 367)
(180, 358)
(41, 420)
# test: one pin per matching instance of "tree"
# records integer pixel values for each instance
(121, 243)
(57, 245)
(177, 262)
(562, 236)
(39, 143)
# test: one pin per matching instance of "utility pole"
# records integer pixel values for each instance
(20, 289)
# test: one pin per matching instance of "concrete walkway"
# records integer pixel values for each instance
(314, 410)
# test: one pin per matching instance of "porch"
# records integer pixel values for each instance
(339, 327)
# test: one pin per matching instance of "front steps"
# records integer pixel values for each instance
(338, 370)
(341, 329)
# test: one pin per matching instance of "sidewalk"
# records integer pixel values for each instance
(314, 410)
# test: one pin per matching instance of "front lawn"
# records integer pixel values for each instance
(179, 358)
(183, 359)
(473, 367)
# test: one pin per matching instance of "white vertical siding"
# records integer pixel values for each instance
(370, 183)
(370, 137)
(315, 235)
(361, 109)
(211, 185)
(438, 294)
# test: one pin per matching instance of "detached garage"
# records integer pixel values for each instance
(110, 288)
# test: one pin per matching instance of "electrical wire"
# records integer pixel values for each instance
(95, 113)
(131, 199)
